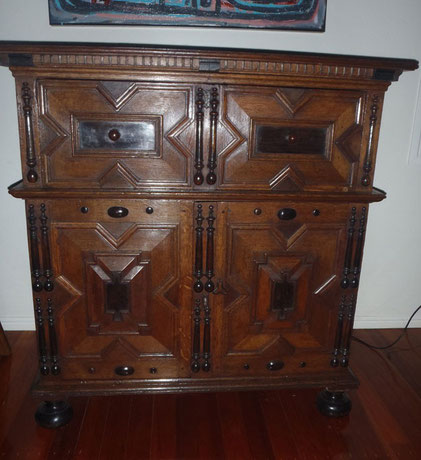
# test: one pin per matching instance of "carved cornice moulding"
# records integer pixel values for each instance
(205, 60)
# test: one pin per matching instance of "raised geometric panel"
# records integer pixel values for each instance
(287, 180)
(66, 293)
(260, 343)
(100, 117)
(276, 272)
(52, 135)
(293, 98)
(350, 142)
(117, 230)
(117, 93)
(118, 296)
(290, 139)
(118, 176)
(290, 231)
(281, 276)
(120, 292)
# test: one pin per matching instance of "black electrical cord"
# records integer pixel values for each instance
(393, 343)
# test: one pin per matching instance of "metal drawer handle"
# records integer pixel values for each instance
(117, 212)
(287, 214)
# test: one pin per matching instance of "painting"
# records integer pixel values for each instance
(258, 14)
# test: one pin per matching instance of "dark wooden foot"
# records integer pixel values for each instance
(333, 403)
(53, 414)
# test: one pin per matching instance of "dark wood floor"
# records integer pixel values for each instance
(385, 421)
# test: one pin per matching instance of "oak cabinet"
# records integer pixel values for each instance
(196, 218)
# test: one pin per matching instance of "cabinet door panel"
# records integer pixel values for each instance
(120, 288)
(282, 281)
(290, 139)
(106, 134)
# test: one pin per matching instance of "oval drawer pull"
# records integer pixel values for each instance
(124, 370)
(114, 134)
(287, 214)
(274, 365)
(117, 212)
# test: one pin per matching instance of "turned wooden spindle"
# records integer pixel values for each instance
(195, 365)
(210, 249)
(198, 163)
(42, 344)
(46, 257)
(31, 160)
(198, 260)
(348, 253)
(55, 368)
(211, 176)
(34, 249)
(206, 335)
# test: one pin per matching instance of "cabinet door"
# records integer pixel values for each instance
(115, 134)
(280, 265)
(290, 139)
(122, 287)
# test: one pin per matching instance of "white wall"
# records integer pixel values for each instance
(391, 279)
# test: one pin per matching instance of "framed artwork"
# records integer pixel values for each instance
(257, 14)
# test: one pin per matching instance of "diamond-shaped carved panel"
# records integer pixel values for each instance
(294, 139)
(280, 279)
(117, 283)
(116, 103)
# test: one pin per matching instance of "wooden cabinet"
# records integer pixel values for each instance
(196, 218)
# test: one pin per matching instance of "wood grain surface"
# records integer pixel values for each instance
(285, 424)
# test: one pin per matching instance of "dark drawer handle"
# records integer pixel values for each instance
(117, 212)
(287, 214)
(114, 134)
(274, 365)
(124, 370)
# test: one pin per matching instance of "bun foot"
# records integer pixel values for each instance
(53, 414)
(333, 403)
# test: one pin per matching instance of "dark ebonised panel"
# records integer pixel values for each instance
(270, 139)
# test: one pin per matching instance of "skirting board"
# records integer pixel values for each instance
(20, 323)
(372, 322)
(26, 323)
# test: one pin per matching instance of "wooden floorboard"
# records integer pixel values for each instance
(384, 423)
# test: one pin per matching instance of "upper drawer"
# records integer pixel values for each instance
(292, 139)
(115, 134)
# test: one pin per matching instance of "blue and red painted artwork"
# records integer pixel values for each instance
(276, 14)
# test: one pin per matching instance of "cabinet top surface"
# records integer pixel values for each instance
(208, 60)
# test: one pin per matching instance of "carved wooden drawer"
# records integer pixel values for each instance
(294, 139)
(114, 134)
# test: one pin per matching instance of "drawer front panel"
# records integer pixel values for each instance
(102, 134)
(288, 139)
